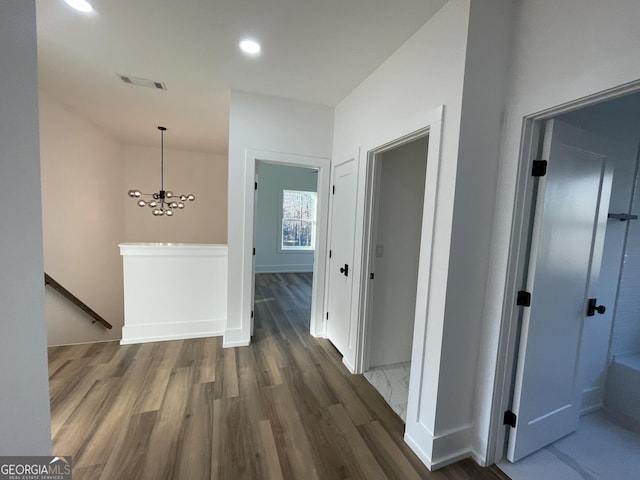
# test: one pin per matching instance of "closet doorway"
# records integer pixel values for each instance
(397, 187)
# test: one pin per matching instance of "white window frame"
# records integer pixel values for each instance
(295, 249)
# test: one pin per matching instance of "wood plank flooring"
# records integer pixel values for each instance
(283, 408)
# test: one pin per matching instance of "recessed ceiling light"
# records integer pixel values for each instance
(250, 46)
(80, 5)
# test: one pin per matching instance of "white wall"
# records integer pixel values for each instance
(398, 247)
(272, 180)
(24, 401)
(460, 54)
(618, 123)
(485, 81)
(419, 77)
(556, 58)
(83, 222)
(202, 174)
(272, 124)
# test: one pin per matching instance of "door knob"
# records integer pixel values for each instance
(592, 308)
(345, 270)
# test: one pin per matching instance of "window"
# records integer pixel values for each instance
(298, 220)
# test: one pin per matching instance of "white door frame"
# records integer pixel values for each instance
(420, 412)
(317, 324)
(421, 401)
(521, 232)
(430, 123)
(372, 198)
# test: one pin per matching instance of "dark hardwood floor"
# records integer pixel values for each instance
(283, 408)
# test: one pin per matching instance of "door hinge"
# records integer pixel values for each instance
(254, 250)
(539, 168)
(329, 253)
(371, 276)
(327, 315)
(333, 190)
(251, 313)
(524, 299)
(592, 308)
(510, 418)
(255, 186)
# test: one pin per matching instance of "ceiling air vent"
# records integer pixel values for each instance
(142, 82)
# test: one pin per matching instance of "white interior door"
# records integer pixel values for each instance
(341, 245)
(566, 249)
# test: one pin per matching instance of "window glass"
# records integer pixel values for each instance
(298, 220)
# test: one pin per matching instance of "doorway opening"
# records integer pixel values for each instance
(317, 167)
(595, 407)
(397, 187)
(285, 232)
(355, 175)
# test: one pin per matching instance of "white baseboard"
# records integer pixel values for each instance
(82, 343)
(418, 450)
(347, 364)
(234, 337)
(160, 332)
(446, 448)
(299, 268)
(451, 446)
(592, 399)
(452, 458)
(479, 459)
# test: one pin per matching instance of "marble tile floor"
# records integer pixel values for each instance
(599, 450)
(392, 382)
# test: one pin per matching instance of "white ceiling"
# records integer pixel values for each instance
(312, 50)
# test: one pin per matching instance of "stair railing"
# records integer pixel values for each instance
(75, 300)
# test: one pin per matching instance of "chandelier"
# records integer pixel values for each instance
(165, 201)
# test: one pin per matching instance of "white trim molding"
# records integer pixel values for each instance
(296, 268)
(446, 448)
(234, 337)
(439, 450)
(160, 332)
(173, 249)
(243, 335)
